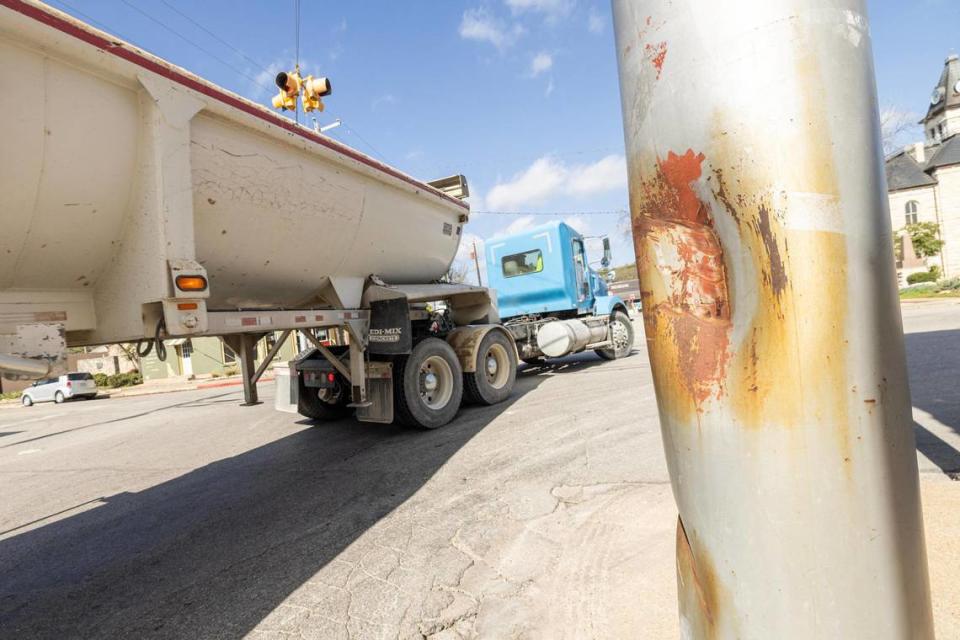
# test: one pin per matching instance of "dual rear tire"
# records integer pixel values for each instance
(427, 385)
(430, 384)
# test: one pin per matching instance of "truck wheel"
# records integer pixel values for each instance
(427, 385)
(496, 372)
(323, 404)
(621, 333)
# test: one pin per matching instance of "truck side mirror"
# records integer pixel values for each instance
(606, 252)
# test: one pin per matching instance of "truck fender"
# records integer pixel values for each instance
(466, 343)
(605, 305)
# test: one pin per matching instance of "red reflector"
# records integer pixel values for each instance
(187, 306)
(331, 377)
(69, 384)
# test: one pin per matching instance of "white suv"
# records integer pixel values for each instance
(67, 386)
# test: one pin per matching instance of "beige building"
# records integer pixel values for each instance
(923, 180)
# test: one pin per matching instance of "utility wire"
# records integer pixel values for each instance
(215, 36)
(105, 27)
(91, 20)
(192, 43)
(364, 141)
(296, 30)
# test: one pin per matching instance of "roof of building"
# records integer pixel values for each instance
(946, 153)
(946, 93)
(903, 172)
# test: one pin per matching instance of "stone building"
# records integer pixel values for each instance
(923, 180)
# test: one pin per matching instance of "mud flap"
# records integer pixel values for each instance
(379, 406)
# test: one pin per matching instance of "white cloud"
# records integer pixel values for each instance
(478, 24)
(547, 177)
(385, 99)
(552, 9)
(521, 224)
(549, 89)
(541, 62)
(595, 21)
(541, 180)
(604, 175)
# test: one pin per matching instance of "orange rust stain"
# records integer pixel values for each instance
(681, 268)
(789, 369)
(656, 54)
(700, 593)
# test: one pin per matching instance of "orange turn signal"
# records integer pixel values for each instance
(187, 306)
(191, 283)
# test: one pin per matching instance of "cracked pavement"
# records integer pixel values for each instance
(550, 516)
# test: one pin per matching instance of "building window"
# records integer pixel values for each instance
(911, 211)
(229, 357)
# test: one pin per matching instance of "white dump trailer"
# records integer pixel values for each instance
(139, 202)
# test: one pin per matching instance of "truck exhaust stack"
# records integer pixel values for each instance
(763, 241)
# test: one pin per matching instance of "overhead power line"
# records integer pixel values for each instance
(213, 35)
(192, 43)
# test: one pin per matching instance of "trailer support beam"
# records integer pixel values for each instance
(763, 243)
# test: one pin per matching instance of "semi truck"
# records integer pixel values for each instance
(139, 202)
(551, 301)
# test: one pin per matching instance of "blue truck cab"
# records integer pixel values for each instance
(543, 277)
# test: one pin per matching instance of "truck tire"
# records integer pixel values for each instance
(321, 404)
(621, 332)
(496, 372)
(427, 385)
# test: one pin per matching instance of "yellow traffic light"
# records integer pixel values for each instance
(313, 90)
(289, 84)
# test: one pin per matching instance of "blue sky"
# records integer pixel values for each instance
(520, 96)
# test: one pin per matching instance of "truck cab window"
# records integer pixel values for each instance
(519, 264)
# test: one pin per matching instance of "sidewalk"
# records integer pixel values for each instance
(167, 385)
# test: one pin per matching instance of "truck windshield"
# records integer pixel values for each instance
(520, 264)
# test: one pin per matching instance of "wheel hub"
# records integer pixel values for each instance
(430, 382)
(492, 365)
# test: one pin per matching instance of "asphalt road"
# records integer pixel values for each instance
(185, 515)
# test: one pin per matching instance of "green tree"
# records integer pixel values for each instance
(925, 238)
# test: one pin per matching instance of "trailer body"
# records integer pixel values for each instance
(140, 202)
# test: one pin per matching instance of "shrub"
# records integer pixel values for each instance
(231, 370)
(10, 395)
(922, 276)
(101, 379)
(124, 379)
(950, 284)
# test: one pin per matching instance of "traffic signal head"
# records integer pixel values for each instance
(289, 84)
(313, 90)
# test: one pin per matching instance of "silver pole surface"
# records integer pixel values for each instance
(764, 252)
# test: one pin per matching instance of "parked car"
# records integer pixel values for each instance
(66, 387)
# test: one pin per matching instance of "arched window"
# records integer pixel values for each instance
(911, 211)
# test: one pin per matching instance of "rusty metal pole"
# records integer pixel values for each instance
(764, 252)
